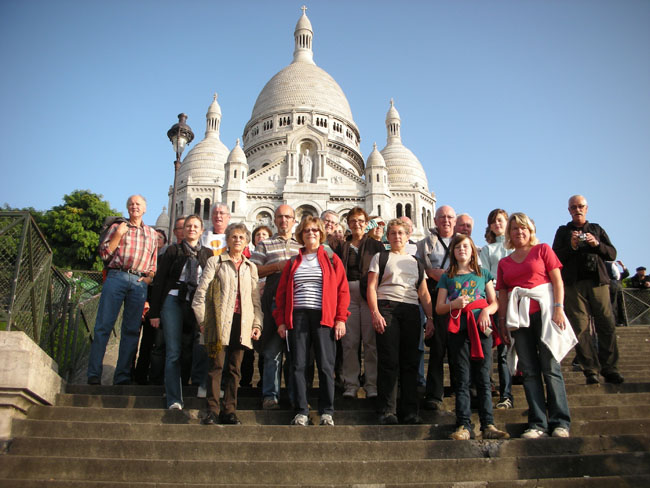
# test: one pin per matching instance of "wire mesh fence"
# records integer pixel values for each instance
(636, 303)
(57, 309)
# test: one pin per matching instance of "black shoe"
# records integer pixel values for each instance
(412, 419)
(432, 404)
(93, 380)
(210, 419)
(388, 419)
(592, 379)
(229, 419)
(614, 377)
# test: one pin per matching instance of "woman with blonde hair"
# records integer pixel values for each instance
(531, 317)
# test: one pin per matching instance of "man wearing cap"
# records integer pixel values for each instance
(583, 247)
(131, 252)
(640, 280)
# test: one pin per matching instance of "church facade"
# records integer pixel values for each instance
(301, 147)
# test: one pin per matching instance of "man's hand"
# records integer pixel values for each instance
(155, 323)
(429, 329)
(378, 322)
(122, 228)
(256, 334)
(575, 239)
(591, 240)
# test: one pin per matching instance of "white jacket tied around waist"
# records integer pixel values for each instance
(558, 341)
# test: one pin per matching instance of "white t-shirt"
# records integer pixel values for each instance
(399, 280)
(216, 242)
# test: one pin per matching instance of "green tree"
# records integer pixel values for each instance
(72, 229)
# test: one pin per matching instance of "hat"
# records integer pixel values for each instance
(641, 268)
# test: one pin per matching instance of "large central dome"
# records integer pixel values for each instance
(302, 86)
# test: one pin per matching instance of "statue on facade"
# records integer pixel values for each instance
(306, 166)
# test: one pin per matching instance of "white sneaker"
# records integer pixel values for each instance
(176, 406)
(533, 434)
(560, 432)
(300, 419)
(326, 419)
(350, 392)
(202, 392)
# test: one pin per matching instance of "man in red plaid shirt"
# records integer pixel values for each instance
(131, 252)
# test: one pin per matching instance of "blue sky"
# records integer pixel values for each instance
(513, 104)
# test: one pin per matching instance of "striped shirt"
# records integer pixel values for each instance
(137, 250)
(308, 284)
(274, 249)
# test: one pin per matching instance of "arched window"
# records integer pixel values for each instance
(379, 210)
(398, 210)
(234, 175)
(197, 206)
(233, 207)
(377, 177)
(179, 209)
(251, 171)
(206, 209)
(429, 218)
(407, 211)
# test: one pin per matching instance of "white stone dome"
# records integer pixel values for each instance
(237, 154)
(205, 161)
(302, 86)
(404, 168)
(162, 222)
(375, 159)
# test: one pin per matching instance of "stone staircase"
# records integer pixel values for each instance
(111, 436)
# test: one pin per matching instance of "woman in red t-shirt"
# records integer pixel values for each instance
(534, 267)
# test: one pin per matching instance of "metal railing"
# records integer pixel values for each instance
(57, 309)
(636, 303)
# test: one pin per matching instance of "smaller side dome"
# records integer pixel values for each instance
(303, 21)
(237, 155)
(375, 159)
(162, 222)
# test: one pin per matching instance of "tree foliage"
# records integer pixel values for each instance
(72, 229)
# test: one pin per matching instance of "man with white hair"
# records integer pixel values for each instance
(131, 254)
(464, 224)
(583, 247)
(216, 239)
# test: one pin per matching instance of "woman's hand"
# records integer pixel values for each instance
(558, 317)
(155, 323)
(282, 330)
(484, 320)
(504, 333)
(378, 322)
(339, 330)
(429, 329)
(255, 335)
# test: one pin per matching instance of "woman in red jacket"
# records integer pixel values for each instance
(311, 309)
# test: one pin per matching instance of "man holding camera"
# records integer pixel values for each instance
(583, 247)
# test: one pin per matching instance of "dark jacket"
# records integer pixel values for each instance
(170, 267)
(368, 247)
(585, 263)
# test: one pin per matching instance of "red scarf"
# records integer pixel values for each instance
(476, 351)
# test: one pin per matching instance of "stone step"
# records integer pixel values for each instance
(578, 482)
(304, 472)
(262, 450)
(283, 417)
(590, 397)
(192, 431)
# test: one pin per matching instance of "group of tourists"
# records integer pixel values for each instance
(361, 305)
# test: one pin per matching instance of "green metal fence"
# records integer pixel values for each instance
(57, 309)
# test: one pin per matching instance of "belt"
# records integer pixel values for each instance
(131, 271)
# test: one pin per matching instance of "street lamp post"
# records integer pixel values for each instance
(180, 135)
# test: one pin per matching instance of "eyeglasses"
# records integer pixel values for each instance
(577, 207)
(312, 230)
(356, 221)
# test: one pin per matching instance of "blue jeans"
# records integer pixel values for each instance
(119, 288)
(535, 362)
(505, 378)
(171, 317)
(465, 369)
(308, 332)
(272, 377)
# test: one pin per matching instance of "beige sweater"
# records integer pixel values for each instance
(222, 268)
